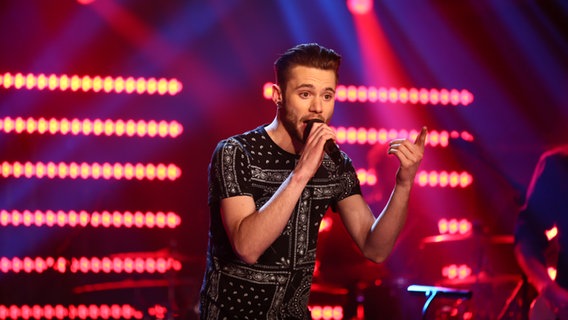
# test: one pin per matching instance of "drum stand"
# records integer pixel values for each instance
(432, 292)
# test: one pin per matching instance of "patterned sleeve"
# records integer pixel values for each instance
(349, 181)
(229, 173)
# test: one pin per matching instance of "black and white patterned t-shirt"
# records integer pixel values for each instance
(278, 285)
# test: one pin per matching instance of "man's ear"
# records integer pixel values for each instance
(277, 95)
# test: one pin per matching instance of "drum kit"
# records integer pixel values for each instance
(173, 291)
(493, 279)
(488, 291)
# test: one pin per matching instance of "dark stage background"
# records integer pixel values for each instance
(511, 56)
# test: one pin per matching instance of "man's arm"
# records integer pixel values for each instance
(532, 262)
(252, 231)
(376, 237)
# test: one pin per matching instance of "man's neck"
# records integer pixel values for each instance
(278, 133)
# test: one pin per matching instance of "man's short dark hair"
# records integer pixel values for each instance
(307, 55)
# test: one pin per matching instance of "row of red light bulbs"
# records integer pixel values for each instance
(443, 179)
(108, 127)
(86, 83)
(59, 311)
(87, 265)
(106, 219)
(172, 172)
(115, 311)
(73, 170)
(163, 129)
(352, 135)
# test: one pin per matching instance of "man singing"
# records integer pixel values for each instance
(270, 187)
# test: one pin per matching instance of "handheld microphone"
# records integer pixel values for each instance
(330, 147)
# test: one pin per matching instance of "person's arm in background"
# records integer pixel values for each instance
(536, 216)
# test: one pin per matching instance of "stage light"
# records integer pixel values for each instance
(326, 224)
(326, 312)
(360, 7)
(551, 272)
(551, 233)
(454, 271)
(367, 177)
(86, 83)
(451, 179)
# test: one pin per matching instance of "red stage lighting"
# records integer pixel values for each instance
(357, 7)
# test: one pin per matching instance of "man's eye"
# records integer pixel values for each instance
(304, 94)
(328, 97)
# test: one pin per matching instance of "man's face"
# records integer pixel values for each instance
(309, 94)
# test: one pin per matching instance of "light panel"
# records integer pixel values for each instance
(117, 265)
(97, 127)
(105, 219)
(73, 170)
(97, 84)
(59, 311)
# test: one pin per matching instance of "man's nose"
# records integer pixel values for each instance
(316, 106)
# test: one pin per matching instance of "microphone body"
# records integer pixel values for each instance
(330, 147)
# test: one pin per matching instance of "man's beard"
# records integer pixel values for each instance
(292, 129)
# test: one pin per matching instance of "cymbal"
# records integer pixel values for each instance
(493, 239)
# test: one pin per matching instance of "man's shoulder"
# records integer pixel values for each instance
(243, 139)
